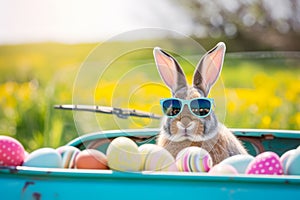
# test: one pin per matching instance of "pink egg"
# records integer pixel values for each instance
(265, 163)
(12, 152)
(222, 169)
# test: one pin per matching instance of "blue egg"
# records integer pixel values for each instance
(285, 157)
(239, 162)
(293, 163)
(44, 157)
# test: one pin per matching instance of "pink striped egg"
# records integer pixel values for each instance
(193, 159)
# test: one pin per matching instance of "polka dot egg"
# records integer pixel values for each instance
(265, 163)
(12, 152)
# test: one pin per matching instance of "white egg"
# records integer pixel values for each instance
(285, 157)
(223, 169)
(293, 163)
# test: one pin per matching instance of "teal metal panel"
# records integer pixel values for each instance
(278, 141)
(34, 183)
(43, 183)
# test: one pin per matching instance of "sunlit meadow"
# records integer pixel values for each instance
(259, 93)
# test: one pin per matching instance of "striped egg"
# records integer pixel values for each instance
(68, 155)
(193, 159)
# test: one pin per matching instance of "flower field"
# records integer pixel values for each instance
(252, 93)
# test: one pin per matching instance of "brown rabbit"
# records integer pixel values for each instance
(186, 124)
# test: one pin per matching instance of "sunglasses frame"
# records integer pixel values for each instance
(188, 103)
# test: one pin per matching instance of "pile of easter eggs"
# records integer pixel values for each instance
(266, 163)
(12, 153)
(123, 154)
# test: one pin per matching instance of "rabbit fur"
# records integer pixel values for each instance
(185, 129)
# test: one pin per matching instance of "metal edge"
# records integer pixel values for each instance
(111, 134)
(48, 173)
(154, 131)
(262, 132)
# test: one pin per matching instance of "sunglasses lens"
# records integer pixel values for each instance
(171, 107)
(200, 107)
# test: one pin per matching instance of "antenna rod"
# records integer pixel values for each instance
(119, 112)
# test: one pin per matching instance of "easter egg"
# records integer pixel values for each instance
(123, 155)
(284, 158)
(193, 159)
(265, 163)
(222, 169)
(91, 159)
(68, 155)
(12, 152)
(240, 162)
(144, 150)
(44, 157)
(156, 158)
(293, 163)
(26, 154)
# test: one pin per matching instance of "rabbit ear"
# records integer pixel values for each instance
(169, 70)
(209, 68)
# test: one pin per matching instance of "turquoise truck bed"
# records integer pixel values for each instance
(45, 183)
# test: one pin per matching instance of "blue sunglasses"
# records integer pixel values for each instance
(200, 107)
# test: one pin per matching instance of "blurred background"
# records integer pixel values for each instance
(43, 44)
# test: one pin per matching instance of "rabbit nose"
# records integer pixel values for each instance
(185, 116)
(185, 110)
(186, 121)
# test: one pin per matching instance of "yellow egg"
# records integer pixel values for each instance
(144, 150)
(157, 158)
(123, 155)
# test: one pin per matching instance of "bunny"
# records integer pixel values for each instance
(186, 128)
